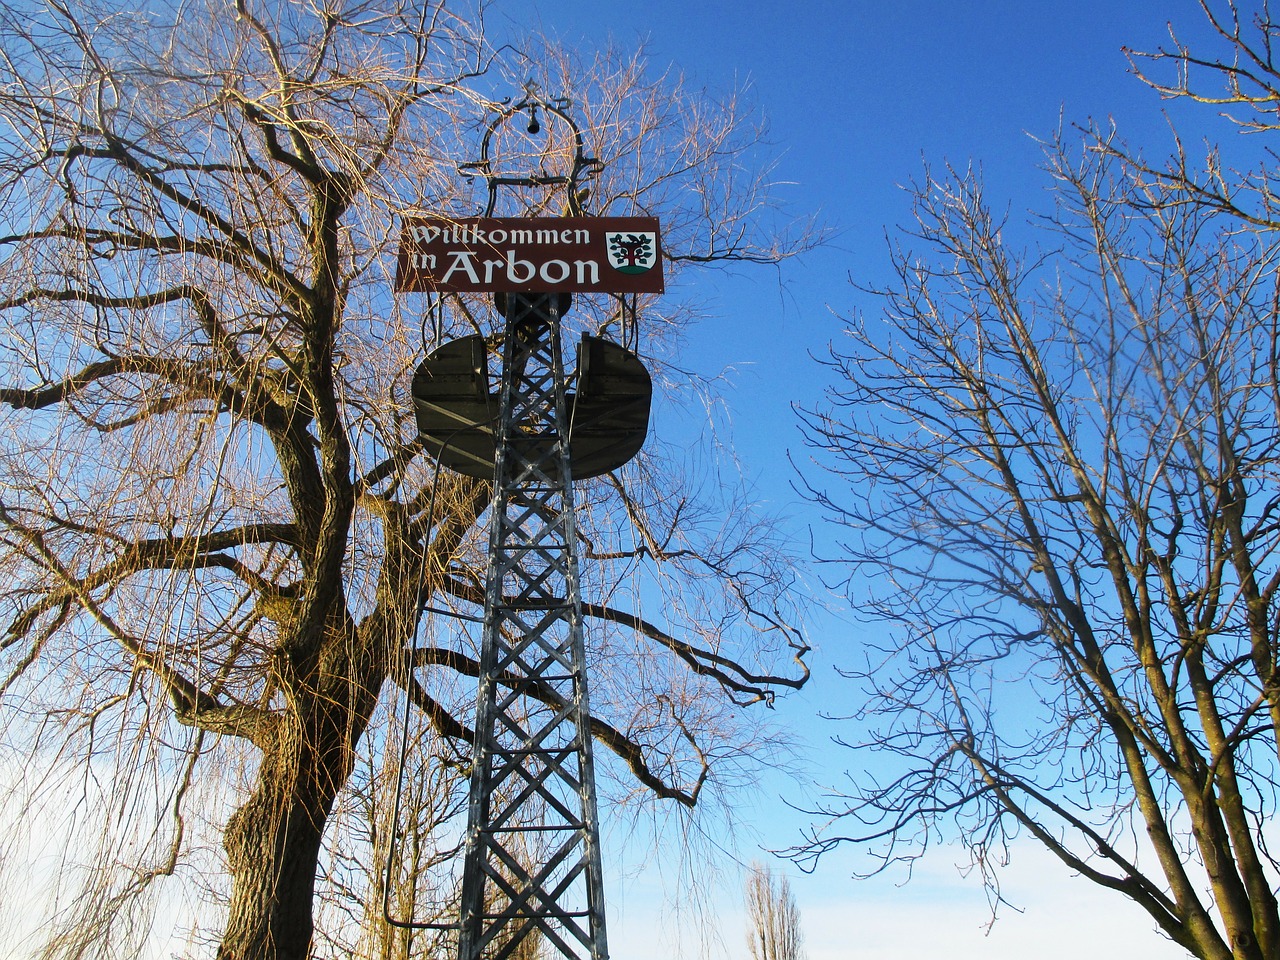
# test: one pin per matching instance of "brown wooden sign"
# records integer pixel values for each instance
(525, 255)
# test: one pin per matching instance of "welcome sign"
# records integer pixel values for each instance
(530, 254)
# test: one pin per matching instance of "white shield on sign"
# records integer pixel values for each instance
(631, 252)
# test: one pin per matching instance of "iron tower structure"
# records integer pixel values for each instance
(531, 861)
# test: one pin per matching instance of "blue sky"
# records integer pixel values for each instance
(859, 96)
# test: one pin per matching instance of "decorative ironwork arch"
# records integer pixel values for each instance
(582, 167)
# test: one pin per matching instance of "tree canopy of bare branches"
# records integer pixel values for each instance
(1055, 474)
(215, 522)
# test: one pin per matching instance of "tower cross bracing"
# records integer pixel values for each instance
(532, 856)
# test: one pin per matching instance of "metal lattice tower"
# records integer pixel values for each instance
(532, 860)
(531, 870)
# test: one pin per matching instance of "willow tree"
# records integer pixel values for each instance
(1054, 473)
(217, 525)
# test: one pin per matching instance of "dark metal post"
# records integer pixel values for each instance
(532, 860)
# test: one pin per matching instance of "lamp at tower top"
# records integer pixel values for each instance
(535, 142)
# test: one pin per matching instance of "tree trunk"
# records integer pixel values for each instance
(273, 843)
(273, 840)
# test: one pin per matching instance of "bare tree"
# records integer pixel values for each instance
(1056, 480)
(773, 919)
(1237, 76)
(216, 523)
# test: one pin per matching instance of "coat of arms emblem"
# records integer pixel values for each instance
(632, 252)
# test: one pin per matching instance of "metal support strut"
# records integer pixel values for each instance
(532, 858)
